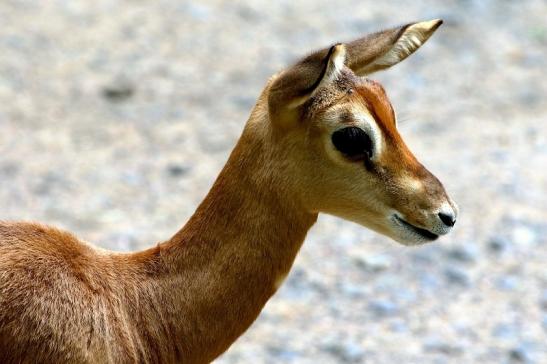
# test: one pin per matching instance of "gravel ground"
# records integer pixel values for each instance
(116, 116)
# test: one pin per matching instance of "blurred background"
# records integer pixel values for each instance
(116, 117)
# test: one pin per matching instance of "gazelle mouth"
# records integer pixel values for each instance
(423, 233)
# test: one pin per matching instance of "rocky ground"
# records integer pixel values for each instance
(116, 116)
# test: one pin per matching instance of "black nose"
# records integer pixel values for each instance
(447, 219)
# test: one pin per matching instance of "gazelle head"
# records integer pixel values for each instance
(339, 133)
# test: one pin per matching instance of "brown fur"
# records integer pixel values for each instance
(186, 300)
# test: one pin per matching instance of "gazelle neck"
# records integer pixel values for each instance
(236, 249)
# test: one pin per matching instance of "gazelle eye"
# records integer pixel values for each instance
(353, 142)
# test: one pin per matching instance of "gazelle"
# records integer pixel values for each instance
(321, 138)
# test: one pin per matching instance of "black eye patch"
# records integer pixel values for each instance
(353, 142)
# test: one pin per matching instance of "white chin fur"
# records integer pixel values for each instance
(406, 236)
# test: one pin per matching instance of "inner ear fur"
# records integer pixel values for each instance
(384, 49)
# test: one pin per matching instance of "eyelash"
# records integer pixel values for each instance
(354, 143)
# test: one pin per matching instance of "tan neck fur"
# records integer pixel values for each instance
(226, 262)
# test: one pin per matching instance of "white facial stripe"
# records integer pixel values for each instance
(366, 122)
(361, 118)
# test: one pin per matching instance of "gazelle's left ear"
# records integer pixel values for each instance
(297, 84)
(331, 67)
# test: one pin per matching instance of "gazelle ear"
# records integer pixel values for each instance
(363, 56)
(384, 49)
(298, 84)
(333, 64)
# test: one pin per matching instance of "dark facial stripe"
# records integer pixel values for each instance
(380, 109)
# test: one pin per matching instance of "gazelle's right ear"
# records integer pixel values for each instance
(384, 49)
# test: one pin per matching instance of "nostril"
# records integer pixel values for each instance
(448, 220)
